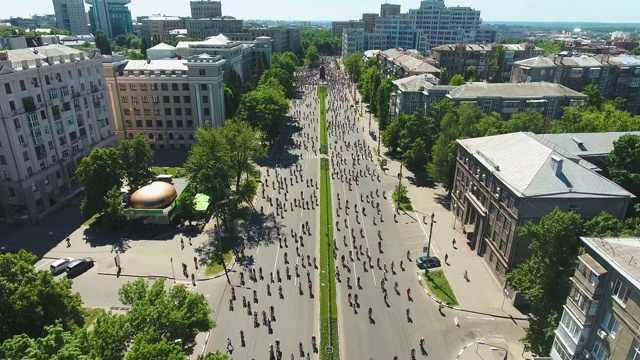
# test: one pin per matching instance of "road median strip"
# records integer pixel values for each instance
(329, 341)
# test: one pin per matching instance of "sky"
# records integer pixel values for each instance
(490, 10)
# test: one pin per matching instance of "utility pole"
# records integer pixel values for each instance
(399, 185)
(429, 244)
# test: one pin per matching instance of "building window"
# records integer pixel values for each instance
(25, 156)
(34, 187)
(159, 123)
(175, 87)
(560, 349)
(187, 99)
(124, 99)
(143, 87)
(145, 100)
(147, 112)
(166, 99)
(46, 181)
(148, 123)
(206, 111)
(3, 160)
(133, 87)
(176, 99)
(7, 88)
(634, 352)
(202, 72)
(58, 175)
(178, 111)
(156, 99)
(620, 292)
(578, 298)
(205, 99)
(23, 86)
(571, 326)
(167, 111)
(185, 86)
(164, 87)
(599, 352)
(122, 87)
(187, 111)
(12, 192)
(610, 324)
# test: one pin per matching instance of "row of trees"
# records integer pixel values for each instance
(43, 318)
(135, 47)
(104, 171)
(322, 39)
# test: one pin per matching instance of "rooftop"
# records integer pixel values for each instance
(553, 61)
(153, 65)
(162, 18)
(218, 40)
(620, 253)
(512, 90)
(587, 144)
(467, 47)
(408, 62)
(42, 53)
(526, 165)
(416, 83)
(163, 46)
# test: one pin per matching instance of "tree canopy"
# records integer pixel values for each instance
(102, 43)
(32, 299)
(624, 163)
(99, 172)
(136, 157)
(457, 80)
(354, 64)
(543, 278)
(322, 39)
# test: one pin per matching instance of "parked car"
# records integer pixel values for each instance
(423, 263)
(76, 267)
(60, 265)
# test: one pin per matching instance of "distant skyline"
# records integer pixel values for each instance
(490, 10)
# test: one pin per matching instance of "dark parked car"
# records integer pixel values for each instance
(76, 267)
(433, 262)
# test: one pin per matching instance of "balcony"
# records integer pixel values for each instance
(588, 275)
(96, 103)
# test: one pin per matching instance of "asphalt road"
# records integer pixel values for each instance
(296, 313)
(389, 332)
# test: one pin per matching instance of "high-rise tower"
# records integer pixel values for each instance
(70, 15)
(111, 16)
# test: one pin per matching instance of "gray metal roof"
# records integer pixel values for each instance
(554, 61)
(526, 166)
(587, 144)
(513, 90)
(166, 65)
(416, 83)
(622, 254)
(409, 62)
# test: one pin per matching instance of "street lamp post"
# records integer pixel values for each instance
(173, 271)
(226, 273)
(433, 215)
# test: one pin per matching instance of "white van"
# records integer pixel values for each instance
(168, 178)
(60, 265)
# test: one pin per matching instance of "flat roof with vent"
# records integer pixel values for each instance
(620, 253)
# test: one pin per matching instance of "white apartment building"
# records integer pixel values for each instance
(352, 41)
(53, 111)
(166, 100)
(432, 24)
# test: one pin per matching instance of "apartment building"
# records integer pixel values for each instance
(387, 10)
(600, 318)
(502, 181)
(369, 20)
(166, 100)
(70, 15)
(615, 76)
(206, 9)
(111, 16)
(338, 26)
(458, 57)
(161, 26)
(205, 27)
(416, 92)
(352, 41)
(283, 38)
(53, 111)
(402, 63)
(506, 98)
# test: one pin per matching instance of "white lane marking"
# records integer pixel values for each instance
(364, 228)
(425, 233)
(304, 189)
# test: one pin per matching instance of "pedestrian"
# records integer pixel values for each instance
(68, 242)
(453, 242)
(446, 257)
(190, 242)
(229, 346)
(181, 243)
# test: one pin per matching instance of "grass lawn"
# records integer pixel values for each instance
(215, 267)
(177, 172)
(328, 305)
(90, 315)
(439, 287)
(92, 219)
(405, 202)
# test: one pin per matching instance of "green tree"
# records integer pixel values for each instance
(497, 64)
(151, 346)
(110, 336)
(170, 314)
(391, 136)
(245, 146)
(635, 51)
(264, 108)
(624, 162)
(217, 356)
(286, 61)
(594, 99)
(260, 67)
(470, 73)
(416, 158)
(489, 125)
(353, 64)
(135, 55)
(135, 43)
(282, 77)
(457, 80)
(312, 55)
(550, 47)
(374, 83)
(102, 43)
(32, 299)
(208, 164)
(114, 210)
(532, 121)
(121, 40)
(136, 158)
(588, 119)
(603, 225)
(383, 97)
(457, 124)
(143, 46)
(234, 83)
(57, 343)
(185, 207)
(439, 109)
(99, 172)
(543, 278)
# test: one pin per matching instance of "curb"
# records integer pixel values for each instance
(463, 349)
(439, 302)
(220, 274)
